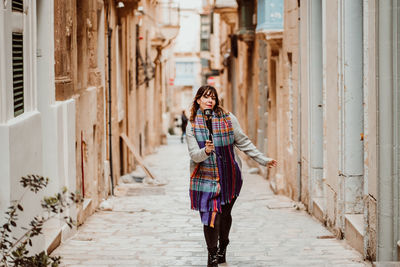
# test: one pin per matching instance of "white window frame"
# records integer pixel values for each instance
(24, 22)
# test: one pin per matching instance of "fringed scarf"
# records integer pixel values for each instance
(217, 180)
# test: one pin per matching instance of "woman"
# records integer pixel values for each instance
(216, 179)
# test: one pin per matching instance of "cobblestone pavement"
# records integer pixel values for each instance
(153, 226)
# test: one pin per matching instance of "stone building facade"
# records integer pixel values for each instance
(77, 76)
(347, 61)
(318, 92)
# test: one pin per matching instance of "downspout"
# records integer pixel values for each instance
(109, 35)
(385, 132)
(249, 83)
(366, 90)
(82, 167)
(299, 111)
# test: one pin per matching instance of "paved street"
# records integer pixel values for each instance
(152, 225)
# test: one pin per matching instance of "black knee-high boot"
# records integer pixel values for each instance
(211, 235)
(212, 257)
(224, 228)
(221, 253)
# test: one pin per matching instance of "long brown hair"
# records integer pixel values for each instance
(206, 90)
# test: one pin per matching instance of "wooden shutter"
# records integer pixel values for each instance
(17, 5)
(18, 72)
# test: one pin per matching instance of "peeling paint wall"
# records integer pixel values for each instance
(290, 100)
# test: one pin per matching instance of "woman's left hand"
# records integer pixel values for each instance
(272, 163)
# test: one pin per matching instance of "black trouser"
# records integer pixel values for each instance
(222, 226)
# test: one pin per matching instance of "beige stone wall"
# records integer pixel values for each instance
(289, 112)
(142, 92)
(290, 49)
(78, 75)
(304, 107)
(81, 70)
(331, 117)
(333, 213)
(241, 81)
(277, 126)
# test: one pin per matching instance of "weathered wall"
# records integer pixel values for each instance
(82, 72)
(304, 106)
(370, 132)
(79, 74)
(289, 144)
(331, 114)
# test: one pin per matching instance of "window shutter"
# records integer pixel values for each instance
(18, 72)
(17, 5)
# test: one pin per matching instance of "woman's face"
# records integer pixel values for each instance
(206, 101)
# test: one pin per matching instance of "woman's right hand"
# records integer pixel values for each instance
(209, 147)
(272, 163)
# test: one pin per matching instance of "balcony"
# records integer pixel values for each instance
(269, 16)
(168, 19)
(227, 9)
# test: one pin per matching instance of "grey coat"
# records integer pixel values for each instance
(241, 142)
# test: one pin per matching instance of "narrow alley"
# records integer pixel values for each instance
(152, 225)
(93, 90)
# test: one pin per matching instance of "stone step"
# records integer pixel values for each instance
(354, 232)
(318, 208)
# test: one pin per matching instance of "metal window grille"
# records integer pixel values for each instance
(17, 5)
(18, 72)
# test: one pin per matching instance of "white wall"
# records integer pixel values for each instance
(21, 154)
(41, 140)
(56, 115)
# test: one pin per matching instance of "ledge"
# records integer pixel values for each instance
(55, 231)
(318, 208)
(353, 231)
(52, 235)
(85, 212)
(386, 264)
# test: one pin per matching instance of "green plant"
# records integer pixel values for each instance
(171, 131)
(15, 250)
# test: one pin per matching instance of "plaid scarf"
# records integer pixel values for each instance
(217, 180)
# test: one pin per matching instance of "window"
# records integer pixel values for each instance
(205, 63)
(18, 72)
(205, 45)
(185, 73)
(17, 5)
(205, 29)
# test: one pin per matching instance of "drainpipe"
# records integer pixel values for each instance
(299, 111)
(82, 167)
(367, 92)
(385, 132)
(395, 132)
(109, 35)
